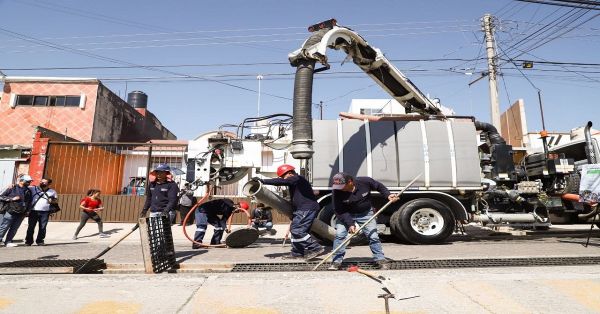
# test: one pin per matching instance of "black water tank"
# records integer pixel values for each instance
(137, 99)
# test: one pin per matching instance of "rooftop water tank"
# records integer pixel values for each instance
(137, 99)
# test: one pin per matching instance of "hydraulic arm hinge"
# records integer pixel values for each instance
(372, 61)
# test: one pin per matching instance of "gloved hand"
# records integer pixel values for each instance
(143, 213)
(257, 179)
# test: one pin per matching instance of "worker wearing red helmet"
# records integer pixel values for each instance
(305, 209)
(216, 213)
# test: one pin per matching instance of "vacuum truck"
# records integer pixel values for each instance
(467, 172)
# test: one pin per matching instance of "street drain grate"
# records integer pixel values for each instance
(427, 264)
(93, 267)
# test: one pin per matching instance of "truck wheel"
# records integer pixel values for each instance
(327, 216)
(422, 221)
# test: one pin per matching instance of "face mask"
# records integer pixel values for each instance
(42, 185)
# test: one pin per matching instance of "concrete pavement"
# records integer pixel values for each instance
(566, 289)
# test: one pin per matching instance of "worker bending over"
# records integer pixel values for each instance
(216, 213)
(352, 204)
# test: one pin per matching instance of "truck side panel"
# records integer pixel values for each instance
(383, 153)
(410, 152)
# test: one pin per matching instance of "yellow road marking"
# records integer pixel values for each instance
(584, 291)
(5, 302)
(102, 307)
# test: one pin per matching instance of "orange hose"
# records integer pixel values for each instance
(237, 211)
(193, 210)
(570, 197)
(575, 198)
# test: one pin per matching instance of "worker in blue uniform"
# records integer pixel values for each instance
(161, 194)
(352, 205)
(216, 213)
(305, 209)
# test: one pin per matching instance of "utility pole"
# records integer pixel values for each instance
(488, 28)
(259, 78)
(321, 109)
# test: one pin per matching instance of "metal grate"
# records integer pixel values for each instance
(95, 265)
(162, 250)
(423, 264)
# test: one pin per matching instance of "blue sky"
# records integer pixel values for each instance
(234, 41)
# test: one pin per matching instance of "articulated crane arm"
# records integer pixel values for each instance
(370, 59)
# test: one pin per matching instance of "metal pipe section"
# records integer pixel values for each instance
(255, 189)
(589, 148)
(499, 218)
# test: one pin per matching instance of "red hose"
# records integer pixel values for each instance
(193, 210)
(237, 211)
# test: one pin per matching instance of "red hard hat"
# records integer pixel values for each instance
(283, 169)
(244, 205)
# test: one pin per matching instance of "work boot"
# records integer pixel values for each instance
(314, 253)
(382, 264)
(291, 256)
(196, 246)
(335, 266)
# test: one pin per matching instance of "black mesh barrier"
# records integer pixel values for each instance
(94, 266)
(426, 264)
(162, 250)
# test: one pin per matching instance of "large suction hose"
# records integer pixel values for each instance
(302, 125)
(492, 132)
(255, 189)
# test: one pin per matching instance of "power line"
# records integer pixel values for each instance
(217, 64)
(570, 4)
(116, 61)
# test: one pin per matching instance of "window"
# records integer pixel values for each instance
(72, 101)
(24, 100)
(51, 101)
(40, 101)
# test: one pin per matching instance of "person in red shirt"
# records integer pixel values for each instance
(91, 205)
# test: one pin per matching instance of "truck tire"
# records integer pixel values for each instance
(422, 221)
(327, 216)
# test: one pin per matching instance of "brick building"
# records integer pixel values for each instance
(38, 109)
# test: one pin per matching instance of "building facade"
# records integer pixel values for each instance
(67, 109)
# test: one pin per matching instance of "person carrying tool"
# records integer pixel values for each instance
(216, 213)
(352, 204)
(262, 217)
(161, 194)
(305, 209)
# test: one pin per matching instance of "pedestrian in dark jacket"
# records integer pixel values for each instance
(216, 213)
(305, 210)
(161, 195)
(20, 196)
(352, 204)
